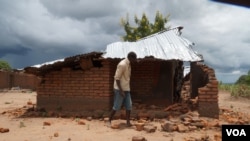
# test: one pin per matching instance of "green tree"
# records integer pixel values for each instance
(244, 79)
(143, 27)
(4, 65)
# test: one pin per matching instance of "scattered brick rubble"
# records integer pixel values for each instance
(4, 130)
(174, 118)
(46, 123)
(138, 138)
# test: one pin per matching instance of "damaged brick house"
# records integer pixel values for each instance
(85, 82)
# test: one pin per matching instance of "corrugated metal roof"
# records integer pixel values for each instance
(166, 45)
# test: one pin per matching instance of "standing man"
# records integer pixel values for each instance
(122, 87)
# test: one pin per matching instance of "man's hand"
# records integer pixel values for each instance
(120, 88)
(122, 93)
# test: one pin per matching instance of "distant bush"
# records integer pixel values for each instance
(236, 90)
(241, 90)
(244, 79)
(4, 65)
(226, 87)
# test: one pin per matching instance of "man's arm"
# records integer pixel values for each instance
(118, 82)
(119, 71)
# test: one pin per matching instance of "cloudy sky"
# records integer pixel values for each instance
(37, 31)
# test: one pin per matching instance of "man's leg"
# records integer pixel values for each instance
(128, 117)
(118, 99)
(112, 115)
(128, 105)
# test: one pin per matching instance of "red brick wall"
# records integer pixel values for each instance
(208, 90)
(76, 90)
(26, 81)
(143, 77)
(4, 79)
(17, 79)
(152, 82)
(92, 89)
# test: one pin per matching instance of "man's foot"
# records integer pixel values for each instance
(129, 124)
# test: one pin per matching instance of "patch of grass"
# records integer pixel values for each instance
(226, 87)
(241, 91)
(236, 90)
(7, 102)
(21, 124)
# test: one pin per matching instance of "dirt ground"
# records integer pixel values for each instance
(69, 129)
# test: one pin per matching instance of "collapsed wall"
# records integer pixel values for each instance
(205, 88)
(208, 95)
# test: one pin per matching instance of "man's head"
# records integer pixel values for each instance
(132, 56)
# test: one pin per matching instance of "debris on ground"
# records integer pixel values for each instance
(178, 117)
(138, 138)
(4, 130)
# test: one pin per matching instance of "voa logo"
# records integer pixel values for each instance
(236, 132)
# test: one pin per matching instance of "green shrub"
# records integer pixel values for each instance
(226, 87)
(241, 90)
(4, 65)
(244, 79)
(236, 90)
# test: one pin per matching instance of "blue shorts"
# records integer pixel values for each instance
(119, 100)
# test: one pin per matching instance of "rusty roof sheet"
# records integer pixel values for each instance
(167, 45)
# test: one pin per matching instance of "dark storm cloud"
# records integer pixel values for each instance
(50, 37)
(17, 50)
(82, 9)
